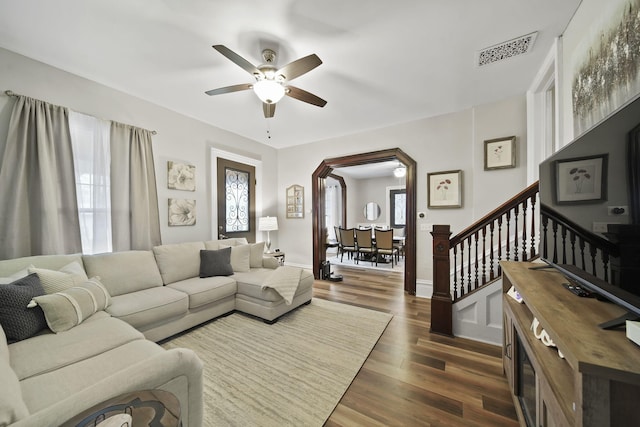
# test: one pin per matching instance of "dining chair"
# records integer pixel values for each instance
(364, 245)
(398, 240)
(336, 230)
(347, 242)
(385, 246)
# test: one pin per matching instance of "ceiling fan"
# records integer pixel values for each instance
(271, 83)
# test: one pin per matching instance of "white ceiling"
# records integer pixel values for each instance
(384, 62)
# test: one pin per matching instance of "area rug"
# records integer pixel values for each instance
(293, 372)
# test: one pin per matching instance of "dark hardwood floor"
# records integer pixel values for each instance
(413, 377)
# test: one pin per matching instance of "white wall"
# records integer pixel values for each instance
(447, 142)
(179, 138)
(371, 190)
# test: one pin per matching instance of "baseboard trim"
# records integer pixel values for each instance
(424, 288)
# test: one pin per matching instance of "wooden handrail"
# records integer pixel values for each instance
(527, 193)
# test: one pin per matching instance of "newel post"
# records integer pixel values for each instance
(441, 304)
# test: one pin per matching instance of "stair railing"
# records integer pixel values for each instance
(509, 232)
(513, 231)
(565, 242)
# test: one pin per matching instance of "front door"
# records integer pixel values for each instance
(236, 200)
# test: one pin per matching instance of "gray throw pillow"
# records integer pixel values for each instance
(215, 263)
(18, 321)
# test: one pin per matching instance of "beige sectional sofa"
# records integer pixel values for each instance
(50, 377)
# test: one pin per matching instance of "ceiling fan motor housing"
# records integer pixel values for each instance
(269, 56)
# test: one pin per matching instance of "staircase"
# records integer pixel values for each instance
(466, 267)
(469, 262)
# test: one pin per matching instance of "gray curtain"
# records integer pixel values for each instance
(134, 213)
(38, 206)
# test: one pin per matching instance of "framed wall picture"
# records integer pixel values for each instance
(295, 201)
(581, 180)
(500, 153)
(444, 189)
(182, 212)
(181, 176)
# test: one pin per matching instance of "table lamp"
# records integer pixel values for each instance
(268, 224)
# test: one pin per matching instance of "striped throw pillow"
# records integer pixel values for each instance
(66, 309)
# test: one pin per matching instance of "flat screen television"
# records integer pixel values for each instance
(594, 183)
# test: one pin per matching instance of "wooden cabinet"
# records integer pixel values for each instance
(596, 383)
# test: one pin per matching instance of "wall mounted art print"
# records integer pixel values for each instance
(444, 189)
(606, 71)
(500, 153)
(182, 212)
(181, 176)
(581, 180)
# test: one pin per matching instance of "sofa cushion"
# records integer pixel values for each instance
(240, 257)
(12, 407)
(215, 263)
(18, 321)
(44, 390)
(48, 351)
(66, 309)
(66, 277)
(207, 290)
(15, 276)
(257, 253)
(124, 272)
(213, 245)
(52, 262)
(143, 308)
(270, 262)
(178, 261)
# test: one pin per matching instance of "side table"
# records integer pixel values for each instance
(153, 408)
(277, 255)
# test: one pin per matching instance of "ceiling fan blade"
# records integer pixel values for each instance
(304, 96)
(268, 109)
(229, 89)
(300, 66)
(237, 59)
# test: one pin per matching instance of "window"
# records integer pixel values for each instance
(90, 139)
(398, 207)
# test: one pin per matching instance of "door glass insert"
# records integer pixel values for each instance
(236, 200)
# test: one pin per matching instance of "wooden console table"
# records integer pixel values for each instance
(598, 381)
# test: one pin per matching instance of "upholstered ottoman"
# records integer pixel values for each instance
(265, 302)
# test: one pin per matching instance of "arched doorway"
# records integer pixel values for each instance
(318, 200)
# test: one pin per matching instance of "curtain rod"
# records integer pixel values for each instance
(15, 95)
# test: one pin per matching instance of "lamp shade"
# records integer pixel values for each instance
(267, 223)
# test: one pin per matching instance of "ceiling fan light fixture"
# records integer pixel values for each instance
(268, 91)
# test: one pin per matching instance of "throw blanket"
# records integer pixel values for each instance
(284, 280)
